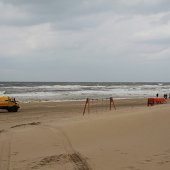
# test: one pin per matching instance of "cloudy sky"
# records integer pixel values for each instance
(84, 40)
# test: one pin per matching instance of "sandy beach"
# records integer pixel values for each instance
(56, 136)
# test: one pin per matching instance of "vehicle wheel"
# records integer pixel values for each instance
(9, 109)
(13, 109)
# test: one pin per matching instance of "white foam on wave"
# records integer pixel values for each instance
(82, 91)
(2, 92)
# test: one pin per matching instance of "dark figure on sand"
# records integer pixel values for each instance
(165, 96)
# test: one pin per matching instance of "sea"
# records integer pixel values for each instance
(71, 91)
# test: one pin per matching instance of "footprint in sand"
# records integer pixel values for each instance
(132, 168)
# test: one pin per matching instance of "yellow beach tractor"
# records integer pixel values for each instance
(9, 103)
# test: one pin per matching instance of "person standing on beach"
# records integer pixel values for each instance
(165, 96)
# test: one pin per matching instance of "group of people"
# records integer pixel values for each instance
(165, 95)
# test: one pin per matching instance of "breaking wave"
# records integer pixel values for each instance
(52, 91)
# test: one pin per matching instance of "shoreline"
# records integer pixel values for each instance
(80, 100)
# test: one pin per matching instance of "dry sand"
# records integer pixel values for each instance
(56, 136)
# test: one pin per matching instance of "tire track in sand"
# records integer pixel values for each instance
(70, 154)
(5, 150)
(73, 156)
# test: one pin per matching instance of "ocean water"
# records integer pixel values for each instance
(69, 91)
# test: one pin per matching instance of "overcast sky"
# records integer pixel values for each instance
(84, 40)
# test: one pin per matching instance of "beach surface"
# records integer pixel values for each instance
(56, 136)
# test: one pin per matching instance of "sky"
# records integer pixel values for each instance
(85, 40)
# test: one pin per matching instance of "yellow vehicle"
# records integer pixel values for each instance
(9, 103)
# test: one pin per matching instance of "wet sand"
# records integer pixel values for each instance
(50, 136)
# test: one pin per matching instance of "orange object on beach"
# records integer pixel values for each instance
(153, 101)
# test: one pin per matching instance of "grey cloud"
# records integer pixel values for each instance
(61, 40)
(88, 6)
(165, 19)
(58, 11)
